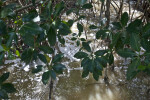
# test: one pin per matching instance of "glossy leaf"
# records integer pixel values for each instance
(42, 58)
(53, 74)
(145, 44)
(100, 52)
(8, 87)
(86, 46)
(124, 19)
(126, 53)
(30, 16)
(101, 34)
(57, 58)
(31, 28)
(28, 40)
(58, 68)
(37, 69)
(115, 39)
(4, 77)
(135, 42)
(80, 27)
(80, 55)
(3, 94)
(61, 39)
(46, 49)
(87, 6)
(51, 36)
(133, 27)
(64, 29)
(58, 8)
(117, 25)
(98, 65)
(92, 27)
(95, 75)
(132, 69)
(85, 73)
(1, 48)
(7, 12)
(11, 37)
(2, 27)
(111, 59)
(27, 56)
(45, 77)
(102, 60)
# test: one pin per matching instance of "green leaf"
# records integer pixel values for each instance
(126, 53)
(100, 52)
(95, 76)
(84, 61)
(102, 0)
(2, 27)
(4, 77)
(46, 49)
(117, 25)
(2, 57)
(98, 65)
(78, 42)
(53, 74)
(124, 19)
(145, 44)
(42, 58)
(7, 12)
(28, 39)
(134, 27)
(85, 73)
(83, 39)
(58, 57)
(111, 59)
(11, 37)
(92, 27)
(141, 67)
(37, 69)
(58, 8)
(132, 69)
(102, 60)
(70, 22)
(86, 46)
(31, 28)
(33, 2)
(45, 77)
(58, 68)
(80, 55)
(101, 34)
(87, 6)
(3, 94)
(81, 2)
(80, 27)
(27, 56)
(69, 11)
(115, 39)
(135, 42)
(35, 55)
(51, 36)
(1, 48)
(8, 87)
(146, 27)
(30, 16)
(61, 39)
(64, 29)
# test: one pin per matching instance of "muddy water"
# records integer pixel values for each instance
(70, 85)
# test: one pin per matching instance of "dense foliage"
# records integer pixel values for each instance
(22, 37)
